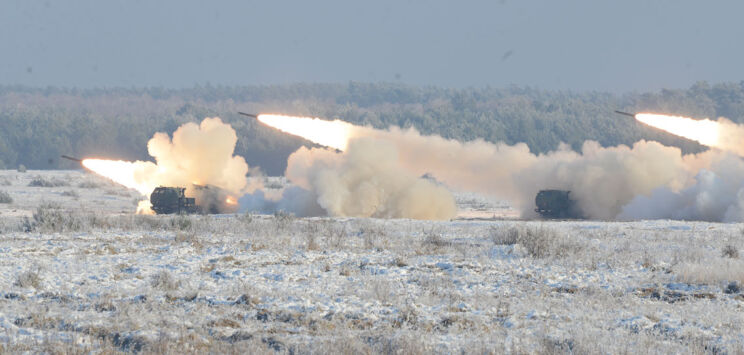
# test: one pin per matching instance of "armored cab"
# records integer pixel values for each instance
(556, 204)
(166, 200)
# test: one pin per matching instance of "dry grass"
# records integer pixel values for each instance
(730, 251)
(257, 283)
(5, 197)
(39, 181)
(28, 279)
(5, 181)
(71, 193)
(164, 280)
(712, 272)
(538, 241)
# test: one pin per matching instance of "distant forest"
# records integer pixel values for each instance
(37, 125)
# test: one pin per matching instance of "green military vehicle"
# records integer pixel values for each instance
(167, 200)
(557, 204)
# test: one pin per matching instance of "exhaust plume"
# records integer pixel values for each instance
(606, 182)
(334, 134)
(367, 181)
(722, 134)
(199, 157)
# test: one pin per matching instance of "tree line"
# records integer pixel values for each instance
(37, 125)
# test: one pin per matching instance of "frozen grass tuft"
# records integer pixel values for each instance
(88, 184)
(730, 251)
(164, 280)
(282, 220)
(434, 243)
(71, 193)
(39, 181)
(29, 278)
(375, 236)
(539, 242)
(181, 222)
(504, 236)
(711, 272)
(5, 197)
(50, 217)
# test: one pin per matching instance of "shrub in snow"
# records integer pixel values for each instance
(5, 197)
(732, 287)
(88, 185)
(504, 236)
(49, 217)
(181, 222)
(282, 220)
(730, 251)
(39, 181)
(71, 193)
(29, 279)
(164, 281)
(538, 242)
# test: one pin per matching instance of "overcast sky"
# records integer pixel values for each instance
(580, 45)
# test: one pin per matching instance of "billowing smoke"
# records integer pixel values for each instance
(717, 194)
(602, 180)
(294, 199)
(199, 157)
(645, 180)
(366, 180)
(378, 172)
(731, 137)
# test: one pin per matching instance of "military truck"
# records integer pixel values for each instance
(557, 204)
(167, 200)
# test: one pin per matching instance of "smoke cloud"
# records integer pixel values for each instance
(645, 180)
(367, 180)
(295, 200)
(602, 180)
(717, 194)
(199, 157)
(730, 136)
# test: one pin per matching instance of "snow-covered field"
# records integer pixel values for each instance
(80, 273)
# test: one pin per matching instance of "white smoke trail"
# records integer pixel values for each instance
(602, 180)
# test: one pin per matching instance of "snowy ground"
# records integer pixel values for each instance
(80, 273)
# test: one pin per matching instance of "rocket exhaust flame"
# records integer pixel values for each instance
(200, 153)
(334, 134)
(705, 132)
(121, 172)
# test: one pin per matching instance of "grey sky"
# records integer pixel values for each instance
(580, 45)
